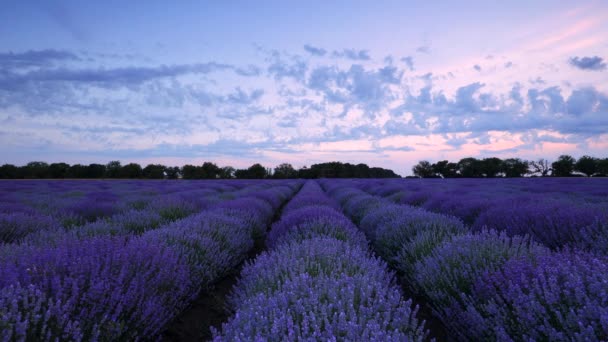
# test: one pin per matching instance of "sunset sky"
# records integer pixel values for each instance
(387, 83)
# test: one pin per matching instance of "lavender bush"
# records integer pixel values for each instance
(451, 268)
(555, 297)
(317, 256)
(326, 308)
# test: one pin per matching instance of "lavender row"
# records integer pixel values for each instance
(119, 288)
(486, 285)
(99, 213)
(558, 213)
(318, 281)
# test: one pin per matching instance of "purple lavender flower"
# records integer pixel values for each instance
(451, 268)
(326, 308)
(555, 297)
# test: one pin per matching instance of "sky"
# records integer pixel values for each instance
(386, 83)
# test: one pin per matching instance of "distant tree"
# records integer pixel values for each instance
(586, 165)
(445, 169)
(9, 171)
(209, 170)
(227, 172)
(77, 171)
(58, 170)
(305, 172)
(172, 172)
(470, 167)
(257, 171)
(131, 170)
(37, 169)
(602, 166)
(95, 171)
(361, 171)
(284, 170)
(113, 169)
(154, 171)
(540, 166)
(189, 172)
(514, 167)
(563, 166)
(490, 167)
(423, 169)
(241, 174)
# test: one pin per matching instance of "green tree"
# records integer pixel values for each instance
(95, 171)
(514, 167)
(284, 170)
(172, 172)
(423, 169)
(209, 170)
(189, 172)
(257, 171)
(37, 169)
(227, 172)
(9, 171)
(154, 171)
(58, 170)
(470, 167)
(586, 165)
(490, 167)
(602, 166)
(113, 169)
(77, 171)
(131, 170)
(563, 166)
(445, 168)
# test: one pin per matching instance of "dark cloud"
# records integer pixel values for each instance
(477, 67)
(594, 63)
(315, 51)
(508, 65)
(356, 55)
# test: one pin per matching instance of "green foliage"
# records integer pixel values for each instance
(586, 165)
(564, 166)
(423, 169)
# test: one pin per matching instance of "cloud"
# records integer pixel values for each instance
(114, 77)
(315, 51)
(594, 63)
(243, 98)
(477, 67)
(35, 58)
(356, 55)
(409, 61)
(424, 49)
(293, 68)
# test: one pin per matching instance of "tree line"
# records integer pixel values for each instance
(564, 166)
(208, 170)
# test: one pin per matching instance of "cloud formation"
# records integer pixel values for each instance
(284, 105)
(315, 51)
(353, 54)
(35, 58)
(594, 63)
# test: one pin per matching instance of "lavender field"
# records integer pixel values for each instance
(347, 260)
